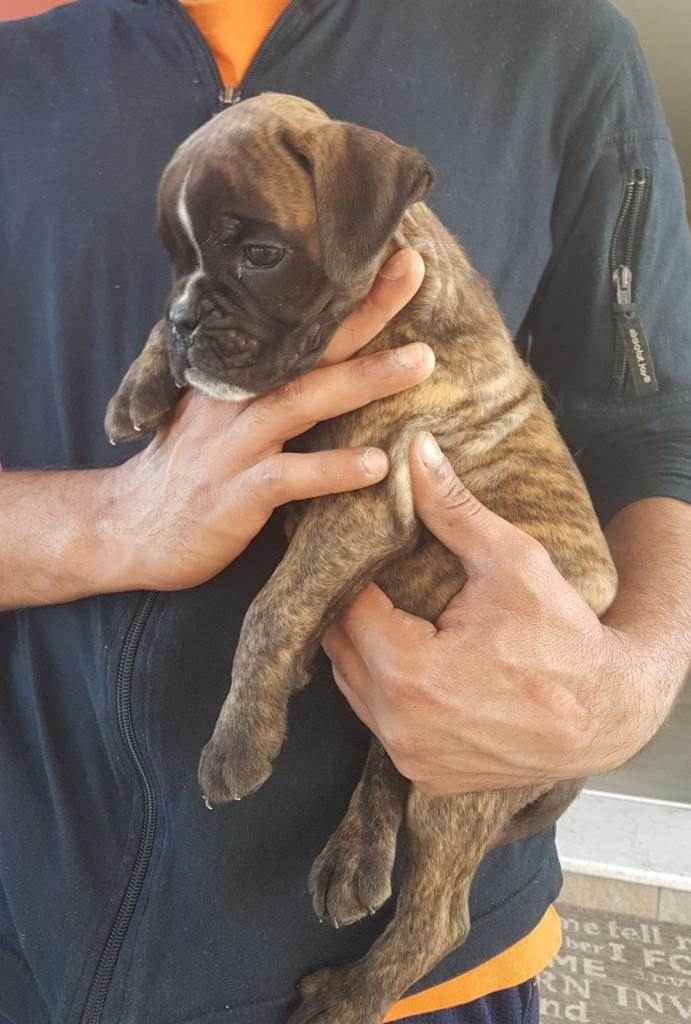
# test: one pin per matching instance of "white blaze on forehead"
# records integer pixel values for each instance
(186, 221)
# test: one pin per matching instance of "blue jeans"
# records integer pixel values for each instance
(518, 1005)
(512, 1006)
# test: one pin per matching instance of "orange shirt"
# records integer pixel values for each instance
(234, 31)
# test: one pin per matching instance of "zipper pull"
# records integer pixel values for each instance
(623, 282)
(632, 333)
(229, 95)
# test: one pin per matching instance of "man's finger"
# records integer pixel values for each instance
(288, 476)
(353, 697)
(251, 496)
(394, 286)
(479, 537)
(331, 391)
(379, 631)
(349, 672)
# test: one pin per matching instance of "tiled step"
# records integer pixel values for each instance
(628, 855)
(611, 835)
(609, 894)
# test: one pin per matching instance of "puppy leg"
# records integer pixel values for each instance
(538, 816)
(447, 838)
(337, 548)
(351, 877)
(147, 392)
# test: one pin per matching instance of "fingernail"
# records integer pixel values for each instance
(431, 453)
(375, 461)
(417, 354)
(396, 267)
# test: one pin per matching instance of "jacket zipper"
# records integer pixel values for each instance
(633, 361)
(105, 968)
(231, 94)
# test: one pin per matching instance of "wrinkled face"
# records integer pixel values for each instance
(243, 214)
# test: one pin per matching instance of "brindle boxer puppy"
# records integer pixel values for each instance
(277, 220)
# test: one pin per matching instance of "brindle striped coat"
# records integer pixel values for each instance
(485, 407)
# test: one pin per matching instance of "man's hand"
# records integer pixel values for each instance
(517, 683)
(182, 509)
(207, 484)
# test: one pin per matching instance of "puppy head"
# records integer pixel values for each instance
(276, 220)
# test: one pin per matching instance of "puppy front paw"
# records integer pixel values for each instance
(234, 763)
(146, 395)
(139, 406)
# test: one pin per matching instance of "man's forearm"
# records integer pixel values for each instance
(56, 541)
(649, 541)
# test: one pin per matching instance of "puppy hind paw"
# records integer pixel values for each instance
(351, 877)
(321, 999)
(335, 995)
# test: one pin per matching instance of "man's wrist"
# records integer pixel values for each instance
(650, 619)
(626, 713)
(638, 686)
(61, 539)
(112, 542)
(95, 552)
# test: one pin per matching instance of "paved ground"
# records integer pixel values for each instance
(618, 969)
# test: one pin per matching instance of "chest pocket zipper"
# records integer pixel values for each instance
(634, 368)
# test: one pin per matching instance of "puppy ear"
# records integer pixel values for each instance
(363, 184)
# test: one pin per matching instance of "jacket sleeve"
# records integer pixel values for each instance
(610, 328)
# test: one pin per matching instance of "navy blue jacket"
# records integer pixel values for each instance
(122, 900)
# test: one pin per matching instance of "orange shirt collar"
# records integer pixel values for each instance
(234, 30)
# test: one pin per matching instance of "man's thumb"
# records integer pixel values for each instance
(479, 537)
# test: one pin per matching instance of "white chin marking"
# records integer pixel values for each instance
(215, 388)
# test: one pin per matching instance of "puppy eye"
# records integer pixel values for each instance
(263, 256)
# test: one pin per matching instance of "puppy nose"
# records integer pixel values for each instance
(184, 316)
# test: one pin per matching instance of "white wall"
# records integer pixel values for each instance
(665, 30)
